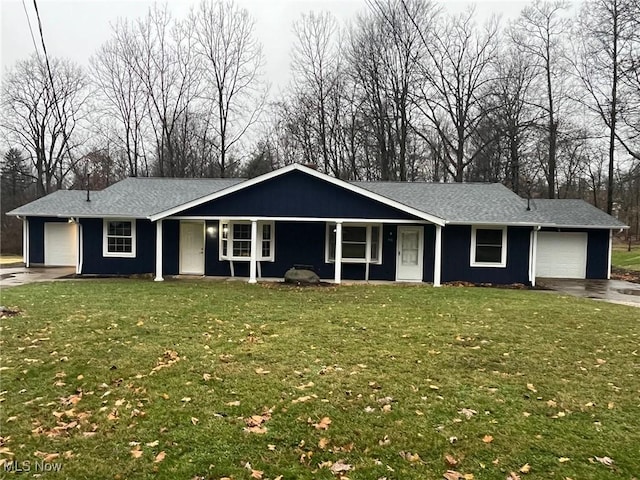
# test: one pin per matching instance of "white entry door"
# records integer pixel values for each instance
(192, 248)
(410, 247)
(59, 244)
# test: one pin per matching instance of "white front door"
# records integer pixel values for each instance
(60, 243)
(410, 248)
(192, 248)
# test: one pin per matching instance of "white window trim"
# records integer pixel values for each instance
(231, 223)
(503, 259)
(105, 243)
(330, 226)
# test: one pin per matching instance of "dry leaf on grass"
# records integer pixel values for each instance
(340, 467)
(136, 452)
(323, 424)
(526, 468)
(160, 457)
(451, 461)
(487, 439)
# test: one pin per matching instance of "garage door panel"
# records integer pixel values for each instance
(59, 244)
(561, 255)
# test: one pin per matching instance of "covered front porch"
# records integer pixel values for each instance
(336, 249)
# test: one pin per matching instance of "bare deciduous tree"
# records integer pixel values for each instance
(456, 80)
(124, 94)
(232, 61)
(604, 29)
(540, 33)
(41, 114)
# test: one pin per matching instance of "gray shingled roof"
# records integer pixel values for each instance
(462, 203)
(131, 198)
(571, 212)
(455, 202)
(490, 203)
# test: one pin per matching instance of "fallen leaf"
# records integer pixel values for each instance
(604, 460)
(257, 474)
(271, 447)
(235, 403)
(301, 399)
(323, 442)
(160, 457)
(450, 460)
(410, 457)
(194, 420)
(323, 424)
(206, 377)
(262, 371)
(467, 412)
(526, 468)
(186, 399)
(340, 467)
(50, 457)
(152, 444)
(563, 459)
(386, 408)
(136, 452)
(513, 476)
(531, 387)
(487, 439)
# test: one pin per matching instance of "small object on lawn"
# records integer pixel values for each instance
(301, 277)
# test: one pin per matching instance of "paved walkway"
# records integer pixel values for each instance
(614, 291)
(14, 276)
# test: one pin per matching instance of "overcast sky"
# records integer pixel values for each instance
(75, 29)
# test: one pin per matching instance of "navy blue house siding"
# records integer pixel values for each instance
(36, 237)
(95, 263)
(598, 254)
(296, 194)
(170, 247)
(303, 243)
(456, 260)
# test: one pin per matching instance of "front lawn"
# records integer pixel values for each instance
(201, 380)
(622, 258)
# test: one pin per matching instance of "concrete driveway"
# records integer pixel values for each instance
(614, 291)
(14, 276)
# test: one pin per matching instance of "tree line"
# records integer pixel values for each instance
(547, 103)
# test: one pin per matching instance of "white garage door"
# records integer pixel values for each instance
(59, 244)
(561, 255)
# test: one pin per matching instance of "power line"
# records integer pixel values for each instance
(33, 38)
(65, 137)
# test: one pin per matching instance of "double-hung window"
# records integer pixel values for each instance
(357, 240)
(235, 241)
(489, 246)
(119, 238)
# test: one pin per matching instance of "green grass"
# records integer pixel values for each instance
(429, 352)
(10, 259)
(621, 258)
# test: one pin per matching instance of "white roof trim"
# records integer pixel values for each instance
(308, 171)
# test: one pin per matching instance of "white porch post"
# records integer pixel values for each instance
(609, 255)
(158, 251)
(254, 252)
(25, 241)
(437, 259)
(79, 248)
(533, 256)
(338, 254)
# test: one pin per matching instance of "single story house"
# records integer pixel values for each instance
(259, 228)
